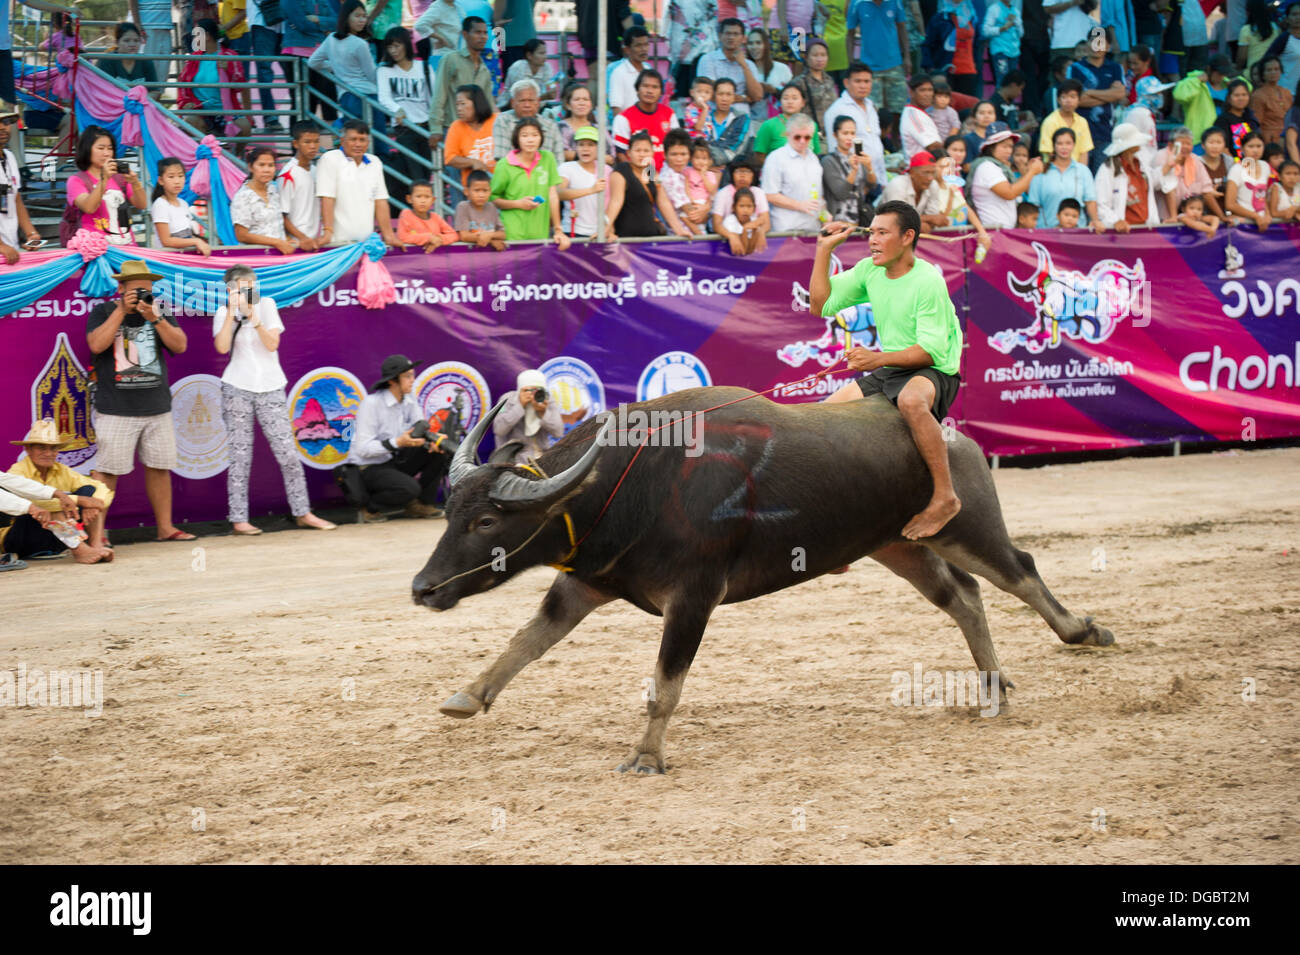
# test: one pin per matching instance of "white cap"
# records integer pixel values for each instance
(530, 379)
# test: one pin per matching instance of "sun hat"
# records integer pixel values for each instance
(43, 432)
(997, 132)
(1125, 137)
(586, 132)
(136, 269)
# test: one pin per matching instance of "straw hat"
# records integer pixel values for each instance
(136, 269)
(43, 432)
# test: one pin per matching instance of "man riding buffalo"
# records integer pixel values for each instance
(920, 340)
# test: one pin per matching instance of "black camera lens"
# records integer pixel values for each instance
(539, 394)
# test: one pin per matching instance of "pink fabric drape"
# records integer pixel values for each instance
(103, 99)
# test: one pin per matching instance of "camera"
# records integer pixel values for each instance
(539, 396)
(123, 166)
(857, 146)
(4, 197)
(143, 297)
(251, 295)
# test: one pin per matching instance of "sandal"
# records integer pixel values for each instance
(177, 535)
(11, 562)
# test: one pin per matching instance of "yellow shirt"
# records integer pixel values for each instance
(61, 478)
(1082, 137)
(228, 9)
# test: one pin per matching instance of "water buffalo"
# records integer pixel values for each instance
(779, 495)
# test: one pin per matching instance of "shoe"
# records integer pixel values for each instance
(11, 562)
(324, 525)
(248, 533)
(47, 555)
(370, 517)
(273, 126)
(420, 510)
(179, 535)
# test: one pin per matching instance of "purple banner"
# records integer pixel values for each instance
(1078, 342)
(605, 324)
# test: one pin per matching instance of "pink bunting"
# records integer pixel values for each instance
(89, 244)
(375, 284)
(199, 183)
(132, 114)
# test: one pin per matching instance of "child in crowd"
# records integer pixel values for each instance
(1068, 213)
(1284, 195)
(1068, 92)
(695, 117)
(297, 182)
(955, 147)
(1274, 154)
(583, 185)
(420, 225)
(951, 183)
(673, 180)
(1191, 213)
(478, 220)
(174, 225)
(945, 117)
(1020, 159)
(1026, 216)
(701, 180)
(740, 223)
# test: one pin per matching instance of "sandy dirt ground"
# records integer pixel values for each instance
(274, 700)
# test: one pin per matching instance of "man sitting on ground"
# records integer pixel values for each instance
(389, 454)
(920, 340)
(65, 495)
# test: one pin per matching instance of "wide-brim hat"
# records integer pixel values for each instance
(1124, 138)
(998, 132)
(43, 432)
(9, 111)
(136, 269)
(394, 366)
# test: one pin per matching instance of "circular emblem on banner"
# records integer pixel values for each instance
(440, 387)
(323, 408)
(576, 386)
(672, 371)
(202, 444)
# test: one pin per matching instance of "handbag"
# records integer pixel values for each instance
(272, 15)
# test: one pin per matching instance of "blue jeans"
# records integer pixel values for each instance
(266, 42)
(378, 120)
(1002, 65)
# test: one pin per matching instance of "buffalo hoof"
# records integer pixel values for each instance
(1097, 636)
(644, 764)
(462, 706)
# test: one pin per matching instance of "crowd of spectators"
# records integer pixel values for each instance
(828, 108)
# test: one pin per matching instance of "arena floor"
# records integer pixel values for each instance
(227, 735)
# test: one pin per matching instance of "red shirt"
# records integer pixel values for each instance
(634, 119)
(963, 56)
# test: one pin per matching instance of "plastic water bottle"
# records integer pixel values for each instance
(70, 533)
(822, 216)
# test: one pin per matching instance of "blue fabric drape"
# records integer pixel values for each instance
(20, 289)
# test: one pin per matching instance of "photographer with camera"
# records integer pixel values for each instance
(401, 462)
(530, 418)
(13, 214)
(129, 341)
(248, 329)
(99, 195)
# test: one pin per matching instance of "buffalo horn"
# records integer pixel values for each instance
(466, 458)
(512, 490)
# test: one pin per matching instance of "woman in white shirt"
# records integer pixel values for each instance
(1125, 178)
(773, 74)
(404, 87)
(1246, 192)
(248, 329)
(346, 58)
(993, 194)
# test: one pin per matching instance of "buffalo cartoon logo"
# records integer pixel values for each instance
(1073, 305)
(854, 325)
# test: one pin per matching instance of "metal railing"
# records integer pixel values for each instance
(146, 174)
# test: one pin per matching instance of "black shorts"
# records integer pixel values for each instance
(890, 381)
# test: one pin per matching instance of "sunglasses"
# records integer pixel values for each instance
(801, 139)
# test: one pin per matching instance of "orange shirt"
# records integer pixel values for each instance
(413, 230)
(463, 141)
